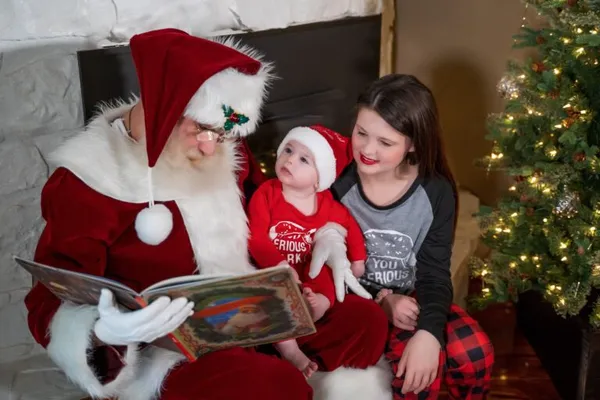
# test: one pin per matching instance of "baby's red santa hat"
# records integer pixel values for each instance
(331, 151)
(219, 84)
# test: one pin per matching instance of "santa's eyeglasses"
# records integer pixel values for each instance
(207, 134)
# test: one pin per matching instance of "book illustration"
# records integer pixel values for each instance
(243, 312)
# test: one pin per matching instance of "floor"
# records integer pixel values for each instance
(518, 373)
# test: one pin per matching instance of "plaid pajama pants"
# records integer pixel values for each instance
(465, 362)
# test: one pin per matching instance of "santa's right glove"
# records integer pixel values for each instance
(330, 248)
(161, 317)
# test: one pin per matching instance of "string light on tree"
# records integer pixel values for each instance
(544, 231)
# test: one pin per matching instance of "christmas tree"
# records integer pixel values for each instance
(545, 232)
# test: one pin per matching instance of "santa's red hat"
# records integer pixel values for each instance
(330, 149)
(219, 84)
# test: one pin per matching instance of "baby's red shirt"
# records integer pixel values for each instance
(280, 232)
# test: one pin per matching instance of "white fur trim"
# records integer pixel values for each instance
(154, 224)
(244, 93)
(218, 228)
(70, 341)
(208, 197)
(373, 383)
(155, 365)
(321, 150)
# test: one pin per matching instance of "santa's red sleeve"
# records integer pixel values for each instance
(355, 241)
(79, 226)
(250, 175)
(261, 247)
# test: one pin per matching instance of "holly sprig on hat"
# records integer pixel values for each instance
(233, 118)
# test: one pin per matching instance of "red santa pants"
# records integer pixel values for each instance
(465, 362)
(352, 334)
(236, 374)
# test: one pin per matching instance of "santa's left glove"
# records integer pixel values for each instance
(330, 248)
(119, 328)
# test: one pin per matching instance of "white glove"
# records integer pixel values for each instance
(158, 319)
(330, 248)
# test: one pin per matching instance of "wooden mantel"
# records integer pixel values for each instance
(388, 20)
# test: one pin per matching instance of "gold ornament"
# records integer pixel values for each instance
(567, 205)
(508, 88)
(551, 151)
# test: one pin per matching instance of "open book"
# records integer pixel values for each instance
(262, 307)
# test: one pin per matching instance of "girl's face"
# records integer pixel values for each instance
(376, 146)
(295, 167)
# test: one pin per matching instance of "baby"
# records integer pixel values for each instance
(285, 212)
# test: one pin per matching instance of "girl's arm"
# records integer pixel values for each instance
(433, 284)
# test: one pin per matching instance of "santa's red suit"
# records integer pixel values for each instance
(91, 204)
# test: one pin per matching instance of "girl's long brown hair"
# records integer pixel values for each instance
(409, 107)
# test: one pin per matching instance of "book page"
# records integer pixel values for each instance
(181, 281)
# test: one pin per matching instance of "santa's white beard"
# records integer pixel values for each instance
(189, 165)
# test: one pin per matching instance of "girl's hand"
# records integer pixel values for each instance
(357, 268)
(402, 311)
(420, 361)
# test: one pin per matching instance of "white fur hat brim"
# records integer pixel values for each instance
(321, 150)
(244, 94)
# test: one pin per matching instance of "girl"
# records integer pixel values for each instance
(401, 191)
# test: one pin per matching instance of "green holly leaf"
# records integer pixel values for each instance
(227, 110)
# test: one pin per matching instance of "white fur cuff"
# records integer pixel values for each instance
(373, 383)
(70, 341)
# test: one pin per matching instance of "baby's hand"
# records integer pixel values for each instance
(357, 268)
(381, 295)
(294, 273)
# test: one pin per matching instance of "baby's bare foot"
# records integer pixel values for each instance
(318, 303)
(291, 352)
(310, 369)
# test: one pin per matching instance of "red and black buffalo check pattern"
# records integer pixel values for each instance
(465, 362)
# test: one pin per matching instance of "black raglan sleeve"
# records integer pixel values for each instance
(344, 182)
(433, 284)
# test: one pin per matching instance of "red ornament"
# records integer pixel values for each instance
(538, 66)
(530, 211)
(579, 157)
(580, 250)
(573, 113)
(524, 198)
(571, 3)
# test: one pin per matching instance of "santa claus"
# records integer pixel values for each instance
(150, 190)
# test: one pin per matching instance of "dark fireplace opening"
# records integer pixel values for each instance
(321, 68)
